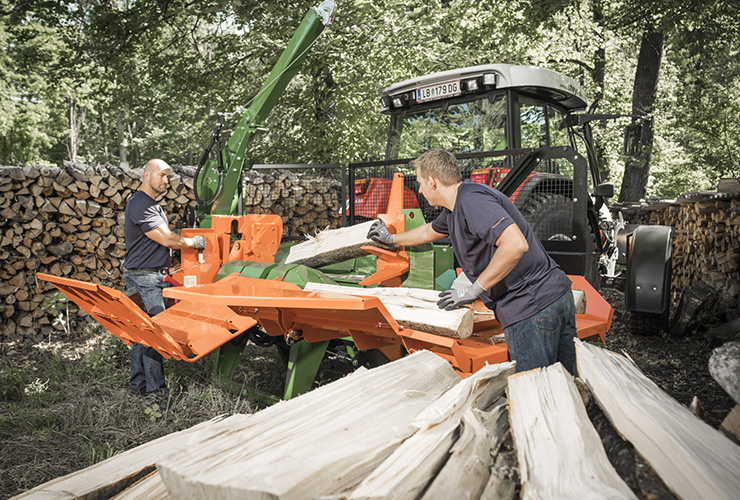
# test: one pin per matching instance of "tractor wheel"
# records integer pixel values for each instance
(550, 215)
(648, 324)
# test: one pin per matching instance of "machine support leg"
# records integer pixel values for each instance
(227, 359)
(303, 365)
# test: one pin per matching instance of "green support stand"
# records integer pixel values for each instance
(303, 366)
(227, 359)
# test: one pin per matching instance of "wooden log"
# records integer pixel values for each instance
(724, 366)
(693, 459)
(559, 451)
(471, 453)
(413, 308)
(371, 414)
(408, 470)
(150, 487)
(332, 246)
(730, 426)
(117, 473)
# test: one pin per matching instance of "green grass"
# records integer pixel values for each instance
(60, 415)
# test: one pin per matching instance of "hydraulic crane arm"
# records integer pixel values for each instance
(217, 182)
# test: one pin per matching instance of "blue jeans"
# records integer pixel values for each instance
(546, 337)
(147, 369)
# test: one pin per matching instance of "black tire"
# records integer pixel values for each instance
(648, 324)
(550, 215)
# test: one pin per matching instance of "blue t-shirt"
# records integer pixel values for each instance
(142, 215)
(480, 214)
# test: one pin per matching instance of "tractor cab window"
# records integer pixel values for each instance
(533, 124)
(558, 127)
(465, 127)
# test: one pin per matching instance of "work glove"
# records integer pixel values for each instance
(380, 234)
(199, 242)
(454, 298)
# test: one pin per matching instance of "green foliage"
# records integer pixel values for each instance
(116, 81)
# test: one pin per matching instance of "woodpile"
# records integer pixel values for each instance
(69, 222)
(706, 239)
(412, 429)
(306, 204)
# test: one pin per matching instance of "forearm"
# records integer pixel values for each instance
(417, 236)
(175, 241)
(511, 246)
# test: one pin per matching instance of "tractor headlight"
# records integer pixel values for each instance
(472, 84)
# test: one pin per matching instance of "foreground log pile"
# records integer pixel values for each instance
(412, 429)
(706, 239)
(69, 222)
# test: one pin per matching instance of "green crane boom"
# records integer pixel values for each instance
(217, 183)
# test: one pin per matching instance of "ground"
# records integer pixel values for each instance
(65, 405)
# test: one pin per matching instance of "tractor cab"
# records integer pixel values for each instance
(515, 128)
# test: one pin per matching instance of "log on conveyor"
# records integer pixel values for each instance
(320, 443)
(407, 472)
(413, 308)
(693, 459)
(560, 453)
(332, 246)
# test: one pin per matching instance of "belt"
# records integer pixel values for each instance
(151, 269)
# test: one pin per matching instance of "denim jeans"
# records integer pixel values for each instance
(546, 337)
(147, 369)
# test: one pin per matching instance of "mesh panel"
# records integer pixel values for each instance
(309, 197)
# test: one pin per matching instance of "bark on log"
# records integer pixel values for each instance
(332, 246)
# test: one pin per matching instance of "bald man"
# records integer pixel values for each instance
(148, 258)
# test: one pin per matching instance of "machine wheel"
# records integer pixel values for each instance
(549, 216)
(648, 324)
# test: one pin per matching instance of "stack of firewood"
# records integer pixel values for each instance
(706, 239)
(306, 204)
(69, 222)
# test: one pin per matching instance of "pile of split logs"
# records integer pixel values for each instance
(412, 429)
(706, 239)
(69, 222)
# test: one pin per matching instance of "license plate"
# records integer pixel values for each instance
(447, 89)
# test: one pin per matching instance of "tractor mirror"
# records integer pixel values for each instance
(632, 144)
(605, 190)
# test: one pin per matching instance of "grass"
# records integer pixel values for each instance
(59, 414)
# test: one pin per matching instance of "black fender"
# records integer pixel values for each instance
(648, 284)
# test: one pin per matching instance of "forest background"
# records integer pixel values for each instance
(126, 80)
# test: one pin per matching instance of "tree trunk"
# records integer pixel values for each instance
(637, 168)
(76, 119)
(599, 77)
(103, 134)
(121, 138)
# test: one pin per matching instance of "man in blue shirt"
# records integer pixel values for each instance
(498, 251)
(148, 257)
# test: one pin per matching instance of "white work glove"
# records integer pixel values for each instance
(380, 234)
(454, 298)
(199, 242)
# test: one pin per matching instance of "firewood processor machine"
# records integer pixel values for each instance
(234, 290)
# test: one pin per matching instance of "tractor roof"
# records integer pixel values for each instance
(541, 82)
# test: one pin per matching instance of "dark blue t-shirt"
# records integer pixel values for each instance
(142, 215)
(480, 214)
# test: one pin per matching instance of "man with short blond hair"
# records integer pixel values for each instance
(148, 258)
(509, 268)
